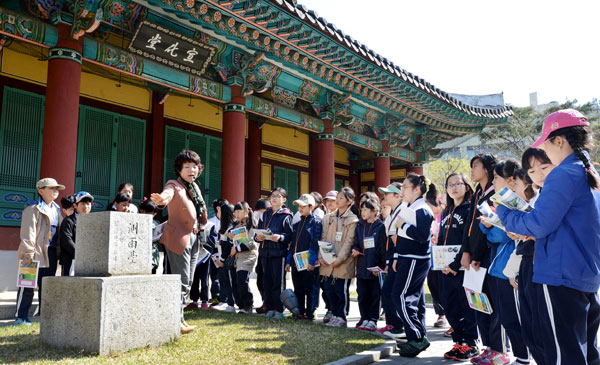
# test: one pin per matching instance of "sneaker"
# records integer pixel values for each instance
(214, 301)
(497, 358)
(22, 321)
(449, 332)
(204, 306)
(384, 329)
(278, 315)
(230, 309)
(359, 324)
(192, 305)
(219, 307)
(369, 326)
(462, 352)
(185, 329)
(413, 348)
(340, 323)
(245, 311)
(483, 356)
(395, 333)
(269, 314)
(332, 321)
(262, 309)
(328, 316)
(441, 322)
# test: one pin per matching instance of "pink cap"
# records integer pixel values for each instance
(560, 119)
(331, 195)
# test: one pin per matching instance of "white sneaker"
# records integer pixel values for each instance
(332, 321)
(341, 323)
(370, 326)
(219, 307)
(230, 309)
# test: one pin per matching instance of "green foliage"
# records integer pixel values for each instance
(437, 171)
(522, 129)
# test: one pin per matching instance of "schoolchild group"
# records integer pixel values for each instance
(542, 265)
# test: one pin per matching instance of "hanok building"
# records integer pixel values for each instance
(99, 92)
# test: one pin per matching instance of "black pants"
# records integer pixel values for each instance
(273, 282)
(489, 324)
(435, 289)
(244, 298)
(508, 315)
(460, 316)
(227, 279)
(65, 267)
(323, 293)
(260, 273)
(306, 288)
(408, 295)
(339, 296)
(215, 286)
(391, 314)
(199, 289)
(369, 298)
(528, 306)
(25, 295)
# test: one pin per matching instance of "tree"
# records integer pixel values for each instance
(521, 130)
(437, 171)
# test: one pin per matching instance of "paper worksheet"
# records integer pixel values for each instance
(474, 279)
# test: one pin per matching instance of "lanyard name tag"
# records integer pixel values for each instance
(338, 236)
(369, 242)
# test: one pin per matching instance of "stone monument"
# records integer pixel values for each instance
(113, 303)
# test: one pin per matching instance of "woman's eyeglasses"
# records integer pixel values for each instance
(457, 185)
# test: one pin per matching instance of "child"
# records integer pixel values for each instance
(273, 252)
(260, 208)
(392, 201)
(207, 236)
(566, 225)
(433, 284)
(83, 205)
(504, 298)
(121, 203)
(411, 263)
(476, 254)
(245, 254)
(39, 226)
(305, 237)
(226, 270)
(338, 229)
(452, 294)
(127, 189)
(147, 206)
(215, 287)
(67, 203)
(369, 249)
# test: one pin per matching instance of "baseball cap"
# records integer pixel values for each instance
(561, 119)
(82, 195)
(304, 200)
(331, 195)
(49, 182)
(390, 189)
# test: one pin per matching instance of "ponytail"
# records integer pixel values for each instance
(580, 140)
(431, 196)
(425, 185)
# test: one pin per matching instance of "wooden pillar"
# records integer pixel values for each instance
(325, 160)
(233, 155)
(354, 175)
(61, 112)
(382, 166)
(158, 143)
(417, 168)
(253, 173)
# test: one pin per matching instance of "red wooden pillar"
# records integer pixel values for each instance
(158, 143)
(233, 155)
(325, 160)
(417, 168)
(354, 175)
(61, 113)
(253, 173)
(382, 166)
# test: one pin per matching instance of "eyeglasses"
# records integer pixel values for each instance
(455, 185)
(275, 196)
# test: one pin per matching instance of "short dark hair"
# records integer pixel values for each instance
(261, 204)
(507, 169)
(67, 201)
(488, 161)
(148, 206)
(280, 191)
(187, 156)
(318, 198)
(217, 203)
(120, 198)
(535, 153)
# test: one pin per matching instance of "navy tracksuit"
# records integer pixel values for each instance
(367, 284)
(199, 288)
(305, 237)
(273, 255)
(412, 259)
(475, 242)
(566, 225)
(391, 315)
(227, 277)
(452, 293)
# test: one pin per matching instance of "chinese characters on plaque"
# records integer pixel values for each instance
(173, 49)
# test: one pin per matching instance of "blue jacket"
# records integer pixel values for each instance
(502, 247)
(279, 222)
(371, 256)
(305, 236)
(566, 225)
(419, 245)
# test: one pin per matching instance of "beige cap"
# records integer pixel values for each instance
(304, 200)
(49, 182)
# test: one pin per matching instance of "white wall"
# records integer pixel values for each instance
(8, 270)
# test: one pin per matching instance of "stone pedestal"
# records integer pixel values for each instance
(107, 307)
(110, 314)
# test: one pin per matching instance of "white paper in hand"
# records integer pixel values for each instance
(474, 279)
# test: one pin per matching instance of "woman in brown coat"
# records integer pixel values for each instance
(186, 213)
(338, 229)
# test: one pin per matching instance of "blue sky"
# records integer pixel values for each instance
(482, 47)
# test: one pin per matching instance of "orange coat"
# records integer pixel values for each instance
(182, 216)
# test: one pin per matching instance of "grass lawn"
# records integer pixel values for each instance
(221, 338)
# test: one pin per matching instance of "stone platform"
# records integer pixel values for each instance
(110, 314)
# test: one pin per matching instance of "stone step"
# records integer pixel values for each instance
(8, 305)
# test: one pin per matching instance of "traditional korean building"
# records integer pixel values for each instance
(98, 92)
